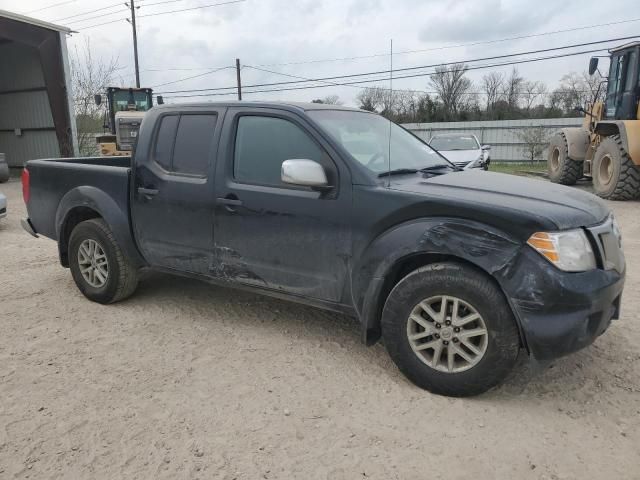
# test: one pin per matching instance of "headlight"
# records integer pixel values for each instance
(569, 250)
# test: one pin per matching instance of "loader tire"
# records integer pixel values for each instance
(562, 169)
(615, 177)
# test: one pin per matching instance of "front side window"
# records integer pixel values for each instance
(263, 143)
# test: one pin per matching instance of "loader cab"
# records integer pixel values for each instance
(623, 90)
(127, 100)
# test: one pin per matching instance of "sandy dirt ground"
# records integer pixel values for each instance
(187, 381)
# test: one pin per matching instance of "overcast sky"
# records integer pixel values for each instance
(270, 33)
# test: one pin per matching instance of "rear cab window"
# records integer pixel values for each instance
(184, 143)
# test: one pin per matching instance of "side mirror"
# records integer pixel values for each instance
(486, 147)
(160, 100)
(97, 99)
(593, 65)
(304, 172)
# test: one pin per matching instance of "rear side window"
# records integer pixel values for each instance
(263, 143)
(192, 151)
(164, 141)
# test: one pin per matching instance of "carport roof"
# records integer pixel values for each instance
(33, 21)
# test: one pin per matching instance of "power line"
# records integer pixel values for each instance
(195, 76)
(102, 15)
(192, 8)
(495, 57)
(119, 4)
(166, 13)
(48, 7)
(485, 42)
(356, 82)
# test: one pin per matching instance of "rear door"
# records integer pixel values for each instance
(287, 238)
(173, 194)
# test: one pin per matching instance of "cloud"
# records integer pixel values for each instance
(462, 21)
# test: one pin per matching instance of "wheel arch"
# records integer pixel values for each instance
(85, 203)
(468, 243)
(629, 131)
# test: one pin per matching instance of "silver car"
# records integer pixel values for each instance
(3, 206)
(463, 150)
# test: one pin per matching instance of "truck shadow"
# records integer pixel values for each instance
(592, 373)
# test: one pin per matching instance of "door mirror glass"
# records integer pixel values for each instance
(486, 147)
(593, 65)
(304, 172)
(97, 99)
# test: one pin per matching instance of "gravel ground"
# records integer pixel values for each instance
(186, 380)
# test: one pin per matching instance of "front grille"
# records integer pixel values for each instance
(127, 134)
(609, 245)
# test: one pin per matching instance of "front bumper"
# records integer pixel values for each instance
(561, 312)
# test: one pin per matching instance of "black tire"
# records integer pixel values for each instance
(122, 278)
(561, 168)
(473, 287)
(615, 177)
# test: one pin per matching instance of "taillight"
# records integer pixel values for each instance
(25, 185)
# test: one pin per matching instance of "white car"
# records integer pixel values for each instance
(463, 150)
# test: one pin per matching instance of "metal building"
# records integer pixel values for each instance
(36, 119)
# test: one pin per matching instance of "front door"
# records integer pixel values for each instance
(269, 234)
(173, 197)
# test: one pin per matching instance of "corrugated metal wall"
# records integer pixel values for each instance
(502, 135)
(27, 111)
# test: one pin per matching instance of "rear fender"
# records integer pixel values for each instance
(437, 239)
(577, 142)
(116, 218)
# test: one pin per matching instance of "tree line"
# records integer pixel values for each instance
(452, 96)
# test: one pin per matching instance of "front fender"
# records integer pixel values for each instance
(485, 247)
(115, 215)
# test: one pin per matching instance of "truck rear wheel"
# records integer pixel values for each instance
(450, 330)
(615, 177)
(98, 266)
(562, 169)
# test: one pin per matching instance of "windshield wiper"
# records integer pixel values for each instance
(398, 171)
(439, 166)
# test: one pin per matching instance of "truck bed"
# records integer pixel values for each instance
(54, 180)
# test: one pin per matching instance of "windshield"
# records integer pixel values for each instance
(366, 137)
(121, 101)
(454, 143)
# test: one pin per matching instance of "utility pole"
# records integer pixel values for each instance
(238, 79)
(135, 41)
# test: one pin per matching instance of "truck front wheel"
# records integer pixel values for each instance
(450, 330)
(98, 266)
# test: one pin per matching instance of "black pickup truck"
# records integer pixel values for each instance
(338, 208)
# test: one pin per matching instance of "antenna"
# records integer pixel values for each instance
(390, 104)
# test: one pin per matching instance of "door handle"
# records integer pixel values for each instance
(230, 202)
(149, 192)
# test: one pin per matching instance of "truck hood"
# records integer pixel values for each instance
(565, 207)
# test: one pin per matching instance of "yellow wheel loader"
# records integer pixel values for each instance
(125, 110)
(607, 146)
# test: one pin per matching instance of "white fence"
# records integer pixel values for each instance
(502, 135)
